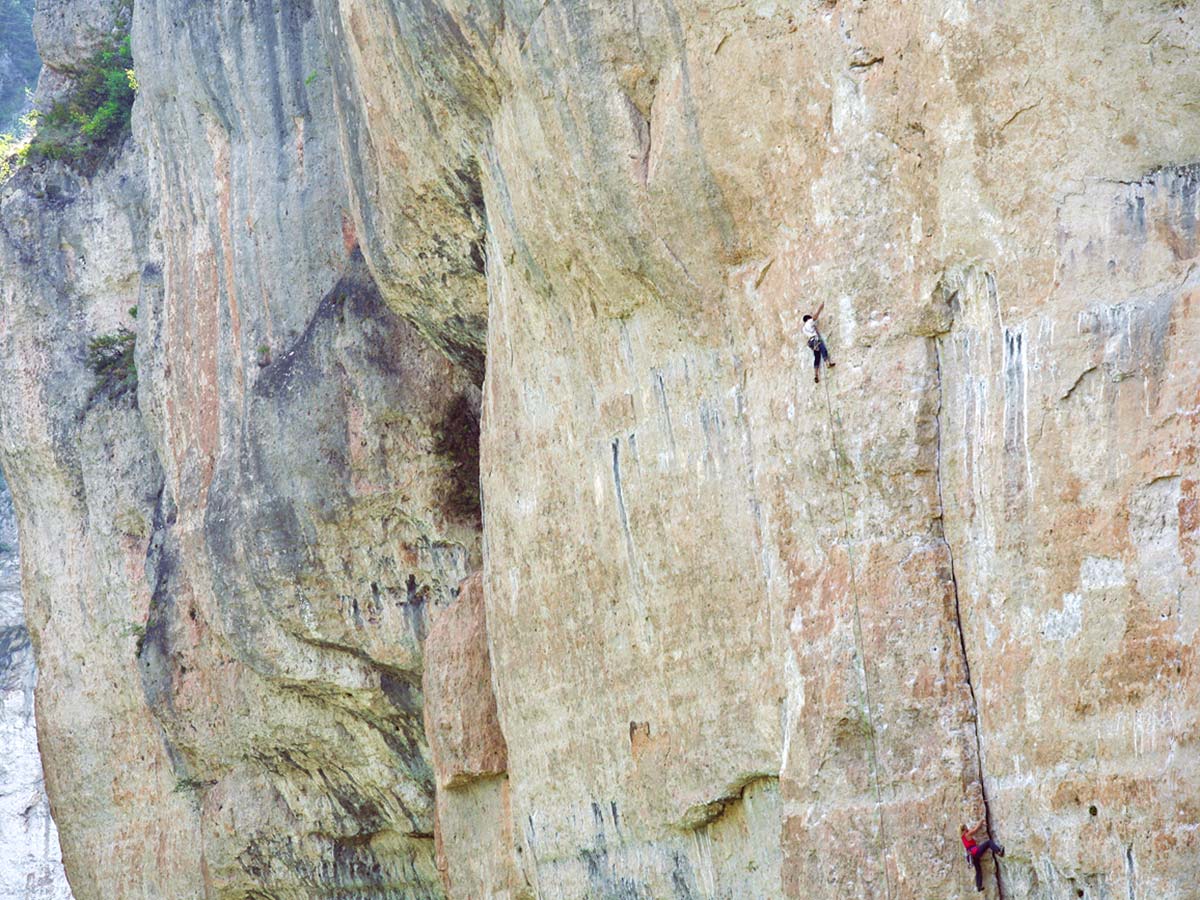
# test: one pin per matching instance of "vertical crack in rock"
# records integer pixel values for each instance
(661, 388)
(962, 641)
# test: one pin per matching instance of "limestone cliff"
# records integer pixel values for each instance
(19, 61)
(470, 525)
(30, 861)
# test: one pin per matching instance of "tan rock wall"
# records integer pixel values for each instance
(303, 425)
(85, 482)
(468, 752)
(1073, 497)
(465, 741)
(295, 457)
(730, 614)
(866, 157)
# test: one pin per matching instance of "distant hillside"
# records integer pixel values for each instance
(19, 61)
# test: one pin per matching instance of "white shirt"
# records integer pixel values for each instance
(810, 330)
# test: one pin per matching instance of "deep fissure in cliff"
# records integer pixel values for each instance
(458, 441)
(958, 624)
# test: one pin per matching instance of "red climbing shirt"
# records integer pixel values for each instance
(970, 844)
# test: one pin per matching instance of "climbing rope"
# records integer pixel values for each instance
(858, 635)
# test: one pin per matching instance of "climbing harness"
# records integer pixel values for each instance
(858, 637)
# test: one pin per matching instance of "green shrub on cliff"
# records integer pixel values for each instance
(13, 152)
(111, 358)
(95, 113)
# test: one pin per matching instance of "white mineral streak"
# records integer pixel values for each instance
(30, 860)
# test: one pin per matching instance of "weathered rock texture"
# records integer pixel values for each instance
(461, 726)
(19, 61)
(30, 860)
(735, 634)
(474, 821)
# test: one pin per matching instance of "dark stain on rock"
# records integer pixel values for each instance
(478, 256)
(602, 861)
(362, 810)
(14, 644)
(403, 691)
(682, 877)
(1163, 203)
(155, 652)
(462, 338)
(415, 607)
(458, 443)
(344, 866)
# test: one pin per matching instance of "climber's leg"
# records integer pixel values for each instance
(815, 345)
(978, 871)
(995, 847)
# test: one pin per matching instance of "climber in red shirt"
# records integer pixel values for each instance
(976, 850)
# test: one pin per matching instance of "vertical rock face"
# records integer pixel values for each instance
(771, 578)
(19, 61)
(231, 567)
(306, 528)
(732, 633)
(85, 486)
(30, 860)
(1072, 516)
(470, 759)
(464, 734)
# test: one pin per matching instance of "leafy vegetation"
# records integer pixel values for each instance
(192, 788)
(185, 784)
(111, 358)
(134, 629)
(81, 126)
(14, 150)
(95, 113)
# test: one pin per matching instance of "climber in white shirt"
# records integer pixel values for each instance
(816, 343)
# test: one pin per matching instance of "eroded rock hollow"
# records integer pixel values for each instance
(462, 518)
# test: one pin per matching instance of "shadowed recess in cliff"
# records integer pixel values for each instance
(458, 441)
(420, 218)
(153, 647)
(361, 399)
(339, 518)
